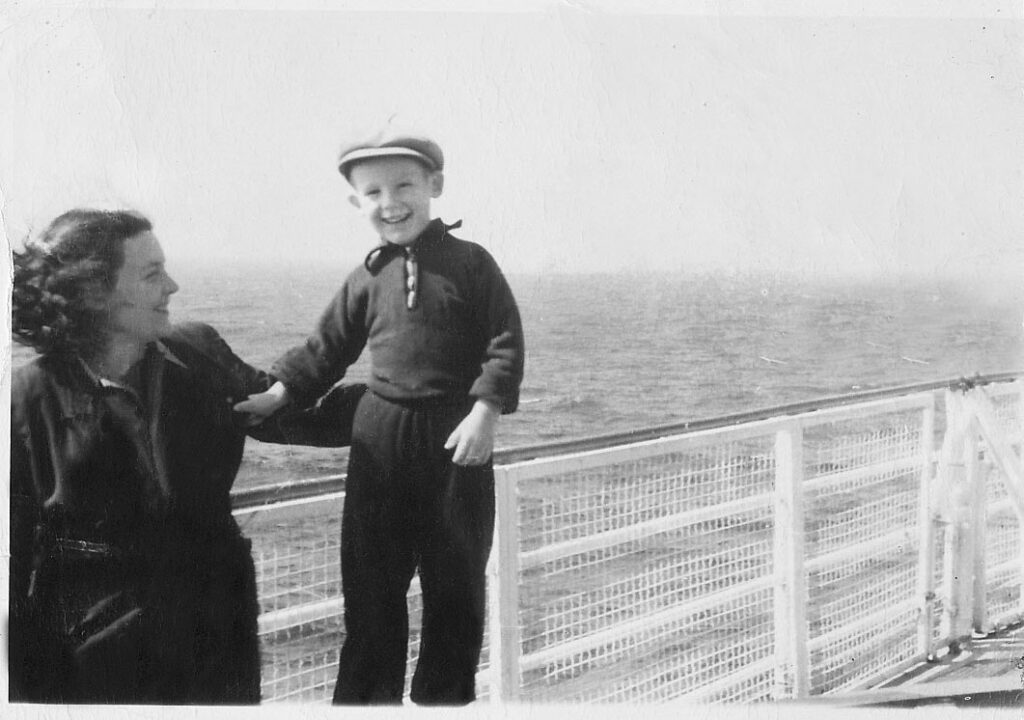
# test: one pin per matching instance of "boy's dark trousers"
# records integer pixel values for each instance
(408, 507)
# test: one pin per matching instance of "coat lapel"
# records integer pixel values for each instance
(157, 426)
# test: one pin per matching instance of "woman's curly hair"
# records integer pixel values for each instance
(63, 278)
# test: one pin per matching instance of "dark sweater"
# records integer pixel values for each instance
(463, 338)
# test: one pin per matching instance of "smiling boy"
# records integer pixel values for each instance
(446, 350)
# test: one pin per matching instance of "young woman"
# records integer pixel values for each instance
(130, 581)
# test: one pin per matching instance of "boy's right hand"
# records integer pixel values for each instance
(260, 406)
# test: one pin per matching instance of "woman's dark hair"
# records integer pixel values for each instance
(63, 278)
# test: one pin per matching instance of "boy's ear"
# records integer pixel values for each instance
(436, 184)
(353, 200)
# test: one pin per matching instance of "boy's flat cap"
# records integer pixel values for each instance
(389, 142)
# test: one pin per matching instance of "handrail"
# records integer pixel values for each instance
(311, 487)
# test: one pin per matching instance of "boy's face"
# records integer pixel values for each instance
(394, 193)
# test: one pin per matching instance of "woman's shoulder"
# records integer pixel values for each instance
(27, 380)
(195, 337)
(38, 373)
(201, 348)
(193, 333)
(38, 382)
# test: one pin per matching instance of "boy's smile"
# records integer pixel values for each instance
(395, 193)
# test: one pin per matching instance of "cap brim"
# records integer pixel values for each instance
(366, 153)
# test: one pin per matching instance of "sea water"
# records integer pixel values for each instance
(617, 352)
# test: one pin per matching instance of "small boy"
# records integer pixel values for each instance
(446, 349)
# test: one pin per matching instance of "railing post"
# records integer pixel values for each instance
(926, 529)
(977, 527)
(959, 555)
(504, 615)
(792, 666)
(999, 451)
(1019, 385)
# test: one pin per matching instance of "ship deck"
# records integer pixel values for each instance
(986, 672)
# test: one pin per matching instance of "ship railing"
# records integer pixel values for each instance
(803, 550)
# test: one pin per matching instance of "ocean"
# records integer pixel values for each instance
(615, 352)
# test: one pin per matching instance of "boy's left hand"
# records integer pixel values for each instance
(473, 439)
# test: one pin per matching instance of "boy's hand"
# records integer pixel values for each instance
(260, 406)
(473, 439)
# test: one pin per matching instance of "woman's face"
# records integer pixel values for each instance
(138, 303)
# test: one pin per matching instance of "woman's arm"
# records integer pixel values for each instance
(328, 423)
(34, 652)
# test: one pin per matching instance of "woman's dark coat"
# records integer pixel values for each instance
(130, 581)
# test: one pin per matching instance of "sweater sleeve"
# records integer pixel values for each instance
(501, 370)
(310, 369)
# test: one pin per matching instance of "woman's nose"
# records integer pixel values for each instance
(170, 286)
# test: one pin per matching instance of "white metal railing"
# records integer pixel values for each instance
(812, 550)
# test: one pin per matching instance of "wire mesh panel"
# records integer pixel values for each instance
(862, 495)
(1004, 563)
(296, 548)
(658, 570)
(649, 577)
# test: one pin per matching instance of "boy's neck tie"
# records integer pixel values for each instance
(411, 277)
(380, 255)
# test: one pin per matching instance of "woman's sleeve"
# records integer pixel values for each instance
(30, 646)
(328, 423)
(243, 378)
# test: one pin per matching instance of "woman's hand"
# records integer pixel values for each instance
(260, 406)
(473, 439)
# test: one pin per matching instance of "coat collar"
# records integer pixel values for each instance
(154, 349)
(433, 233)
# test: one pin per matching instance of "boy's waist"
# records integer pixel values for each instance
(422, 396)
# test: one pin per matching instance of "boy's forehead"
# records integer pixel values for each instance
(386, 168)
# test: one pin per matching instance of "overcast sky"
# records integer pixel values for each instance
(579, 136)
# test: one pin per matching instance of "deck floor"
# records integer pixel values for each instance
(987, 673)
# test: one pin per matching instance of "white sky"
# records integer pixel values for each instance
(579, 136)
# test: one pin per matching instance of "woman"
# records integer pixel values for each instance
(130, 580)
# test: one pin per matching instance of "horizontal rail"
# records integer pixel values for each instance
(277, 492)
(299, 615)
(539, 658)
(829, 481)
(749, 671)
(530, 452)
(862, 550)
(639, 531)
(251, 515)
(869, 621)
